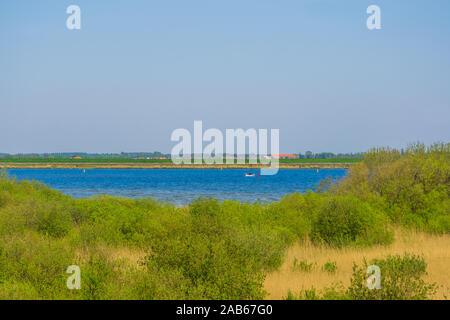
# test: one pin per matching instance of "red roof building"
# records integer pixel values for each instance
(284, 156)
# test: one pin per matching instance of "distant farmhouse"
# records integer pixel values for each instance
(285, 156)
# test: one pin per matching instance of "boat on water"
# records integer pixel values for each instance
(249, 174)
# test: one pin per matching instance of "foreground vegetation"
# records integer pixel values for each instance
(144, 249)
(331, 269)
(401, 281)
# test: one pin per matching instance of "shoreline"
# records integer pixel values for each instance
(10, 165)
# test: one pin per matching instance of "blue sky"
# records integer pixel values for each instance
(137, 70)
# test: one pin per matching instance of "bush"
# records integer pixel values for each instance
(330, 267)
(334, 292)
(302, 265)
(53, 221)
(344, 220)
(207, 268)
(34, 261)
(95, 277)
(400, 280)
(412, 187)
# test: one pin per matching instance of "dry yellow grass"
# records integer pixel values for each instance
(124, 256)
(435, 249)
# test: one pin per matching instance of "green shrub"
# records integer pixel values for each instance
(303, 265)
(347, 220)
(330, 267)
(55, 222)
(4, 198)
(412, 187)
(17, 290)
(439, 224)
(95, 278)
(208, 268)
(304, 294)
(37, 261)
(400, 280)
(334, 292)
(266, 246)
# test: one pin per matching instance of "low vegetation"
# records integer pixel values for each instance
(401, 279)
(330, 267)
(144, 249)
(303, 265)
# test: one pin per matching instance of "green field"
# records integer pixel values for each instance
(44, 160)
(320, 160)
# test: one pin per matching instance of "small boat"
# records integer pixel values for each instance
(249, 174)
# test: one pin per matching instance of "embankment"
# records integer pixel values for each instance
(87, 165)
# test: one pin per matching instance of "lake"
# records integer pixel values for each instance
(179, 186)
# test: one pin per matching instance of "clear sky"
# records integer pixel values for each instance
(137, 70)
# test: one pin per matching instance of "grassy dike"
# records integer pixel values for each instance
(387, 208)
(167, 165)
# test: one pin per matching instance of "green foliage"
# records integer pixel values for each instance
(53, 221)
(95, 277)
(34, 261)
(305, 294)
(303, 265)
(209, 250)
(207, 268)
(344, 220)
(334, 292)
(221, 250)
(412, 187)
(330, 267)
(400, 280)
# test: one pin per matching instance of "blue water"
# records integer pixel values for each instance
(179, 186)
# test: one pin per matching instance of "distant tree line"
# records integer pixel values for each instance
(330, 155)
(84, 155)
(157, 154)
